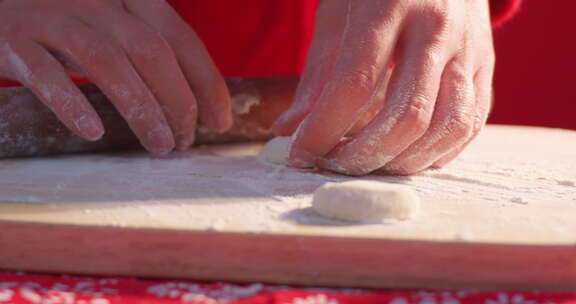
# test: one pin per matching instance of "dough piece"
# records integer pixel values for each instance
(361, 200)
(277, 150)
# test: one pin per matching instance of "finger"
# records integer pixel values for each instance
(106, 65)
(207, 83)
(328, 33)
(155, 62)
(452, 121)
(452, 155)
(484, 98)
(35, 68)
(375, 107)
(354, 81)
(406, 115)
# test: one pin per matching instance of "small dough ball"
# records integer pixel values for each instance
(277, 150)
(361, 200)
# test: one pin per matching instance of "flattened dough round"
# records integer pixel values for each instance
(277, 150)
(361, 200)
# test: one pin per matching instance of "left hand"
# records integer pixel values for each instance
(439, 59)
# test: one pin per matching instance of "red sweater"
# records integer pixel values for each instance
(271, 37)
(268, 37)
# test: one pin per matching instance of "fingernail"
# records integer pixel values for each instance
(91, 128)
(301, 159)
(161, 140)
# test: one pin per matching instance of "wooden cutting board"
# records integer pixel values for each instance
(502, 216)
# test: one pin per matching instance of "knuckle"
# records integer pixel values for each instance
(434, 26)
(93, 49)
(461, 128)
(434, 21)
(418, 114)
(430, 59)
(438, 19)
(361, 76)
(459, 73)
(358, 78)
(102, 52)
(149, 47)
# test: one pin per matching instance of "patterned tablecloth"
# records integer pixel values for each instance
(47, 289)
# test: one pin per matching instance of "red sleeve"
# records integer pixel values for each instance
(502, 10)
(264, 37)
(253, 37)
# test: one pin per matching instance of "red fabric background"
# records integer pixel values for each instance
(253, 37)
(263, 37)
(536, 62)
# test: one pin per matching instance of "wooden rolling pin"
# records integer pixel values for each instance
(28, 128)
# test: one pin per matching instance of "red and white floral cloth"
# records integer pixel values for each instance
(45, 289)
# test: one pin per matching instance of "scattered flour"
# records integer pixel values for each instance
(569, 183)
(502, 187)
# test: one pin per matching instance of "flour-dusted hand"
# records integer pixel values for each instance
(440, 56)
(146, 59)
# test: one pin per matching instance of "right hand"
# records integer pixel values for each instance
(141, 54)
(397, 86)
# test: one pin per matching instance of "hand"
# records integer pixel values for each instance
(149, 63)
(439, 59)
